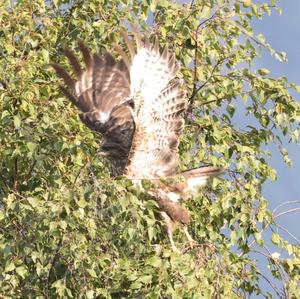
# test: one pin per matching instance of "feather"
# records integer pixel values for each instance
(158, 104)
(101, 91)
(174, 210)
(137, 104)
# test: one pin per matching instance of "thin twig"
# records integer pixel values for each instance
(284, 204)
(195, 70)
(288, 232)
(278, 266)
(4, 182)
(277, 291)
(53, 261)
(286, 212)
(212, 101)
(30, 171)
(196, 90)
(15, 175)
(269, 224)
(198, 30)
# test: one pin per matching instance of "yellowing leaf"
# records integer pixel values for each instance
(247, 3)
(263, 71)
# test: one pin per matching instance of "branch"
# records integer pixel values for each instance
(289, 233)
(87, 164)
(195, 89)
(284, 204)
(262, 44)
(3, 181)
(53, 261)
(286, 212)
(212, 101)
(195, 70)
(276, 290)
(15, 176)
(198, 30)
(30, 171)
(274, 217)
(279, 268)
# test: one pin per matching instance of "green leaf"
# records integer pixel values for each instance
(68, 229)
(9, 267)
(17, 122)
(92, 272)
(263, 72)
(34, 202)
(22, 271)
(275, 238)
(247, 3)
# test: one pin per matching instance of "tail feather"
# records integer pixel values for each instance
(209, 171)
(198, 177)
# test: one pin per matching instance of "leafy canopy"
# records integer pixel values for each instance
(67, 229)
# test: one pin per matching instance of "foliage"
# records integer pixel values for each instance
(68, 230)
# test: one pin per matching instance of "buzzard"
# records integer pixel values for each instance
(136, 103)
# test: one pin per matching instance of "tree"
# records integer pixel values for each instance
(68, 229)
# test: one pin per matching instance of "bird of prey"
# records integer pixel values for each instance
(136, 103)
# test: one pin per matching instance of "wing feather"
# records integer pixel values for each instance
(135, 103)
(101, 91)
(159, 101)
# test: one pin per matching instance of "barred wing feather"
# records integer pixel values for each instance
(158, 102)
(101, 92)
(134, 103)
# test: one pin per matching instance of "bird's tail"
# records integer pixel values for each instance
(210, 171)
(198, 177)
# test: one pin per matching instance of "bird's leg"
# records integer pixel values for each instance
(169, 229)
(170, 235)
(192, 242)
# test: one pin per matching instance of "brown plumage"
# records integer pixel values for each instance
(101, 91)
(136, 104)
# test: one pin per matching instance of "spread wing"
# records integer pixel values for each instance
(158, 102)
(101, 91)
(135, 105)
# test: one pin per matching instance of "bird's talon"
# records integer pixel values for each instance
(193, 244)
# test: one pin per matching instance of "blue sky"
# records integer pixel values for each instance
(283, 33)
